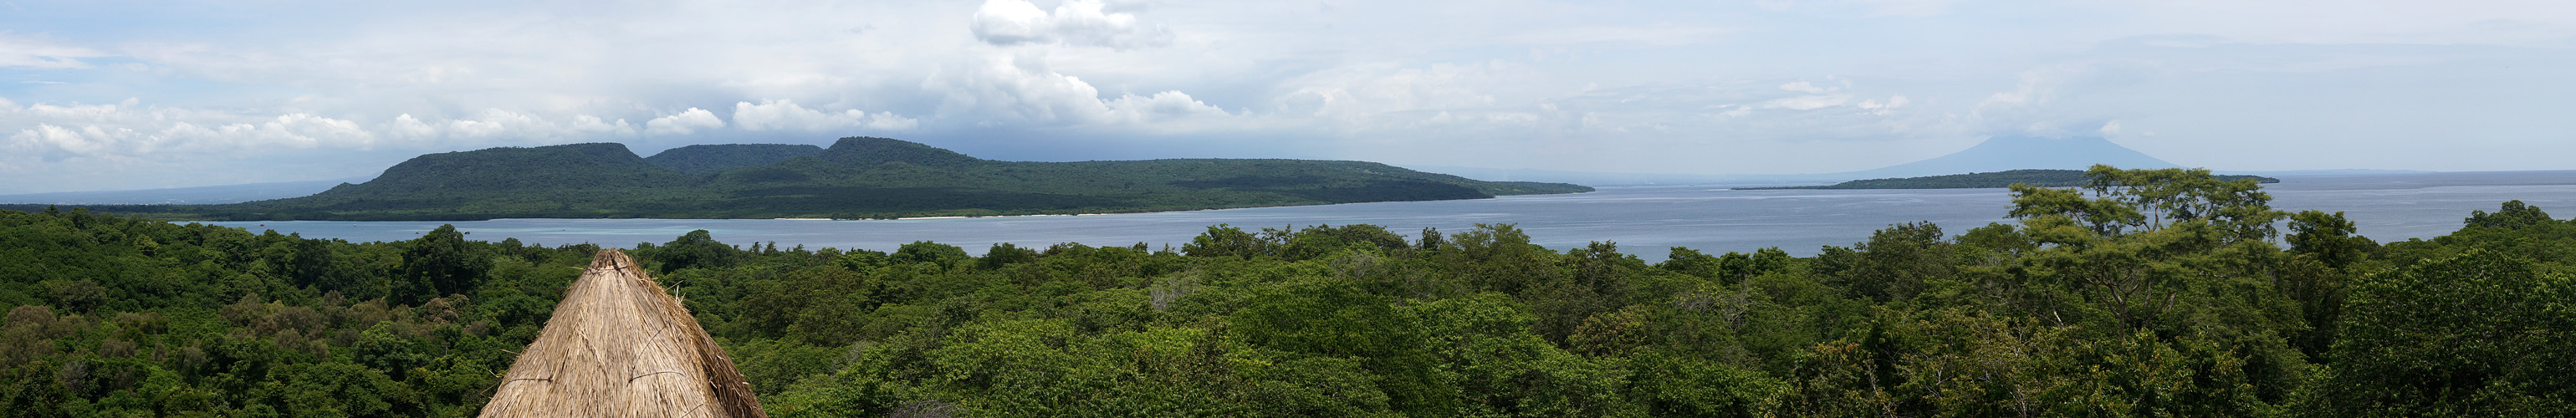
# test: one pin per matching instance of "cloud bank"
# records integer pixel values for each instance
(1076, 22)
(104, 96)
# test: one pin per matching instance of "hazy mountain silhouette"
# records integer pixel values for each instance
(2005, 153)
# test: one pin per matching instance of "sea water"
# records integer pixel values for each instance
(1642, 220)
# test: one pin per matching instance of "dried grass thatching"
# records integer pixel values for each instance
(618, 346)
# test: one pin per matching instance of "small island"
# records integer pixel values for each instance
(855, 178)
(1994, 180)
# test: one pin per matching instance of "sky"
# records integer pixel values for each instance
(107, 95)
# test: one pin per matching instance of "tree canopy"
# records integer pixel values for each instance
(2143, 293)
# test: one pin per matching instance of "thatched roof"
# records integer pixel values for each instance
(618, 346)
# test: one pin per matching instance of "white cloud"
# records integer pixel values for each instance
(1661, 34)
(51, 142)
(1909, 8)
(1162, 106)
(503, 124)
(499, 127)
(786, 115)
(683, 123)
(1872, 8)
(130, 130)
(1024, 89)
(408, 127)
(297, 131)
(307, 130)
(1876, 107)
(1075, 22)
(33, 52)
(1803, 87)
(68, 131)
(1360, 80)
(2036, 87)
(588, 123)
(1388, 96)
(1810, 102)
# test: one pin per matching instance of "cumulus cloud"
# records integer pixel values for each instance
(1076, 22)
(1811, 102)
(1367, 80)
(128, 130)
(1660, 34)
(1162, 106)
(54, 143)
(1876, 107)
(69, 131)
(1024, 89)
(408, 127)
(1818, 97)
(1904, 8)
(1910, 8)
(683, 123)
(1381, 97)
(593, 124)
(32, 52)
(2037, 86)
(500, 127)
(786, 115)
(2051, 100)
(497, 123)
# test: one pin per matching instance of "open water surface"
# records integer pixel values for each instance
(1643, 220)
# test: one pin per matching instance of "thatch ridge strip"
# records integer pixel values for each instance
(614, 328)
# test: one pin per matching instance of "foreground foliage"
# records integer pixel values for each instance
(2149, 292)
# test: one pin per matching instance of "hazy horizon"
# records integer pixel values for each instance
(140, 96)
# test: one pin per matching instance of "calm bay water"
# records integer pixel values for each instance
(1643, 220)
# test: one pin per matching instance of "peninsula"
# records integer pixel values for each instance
(855, 178)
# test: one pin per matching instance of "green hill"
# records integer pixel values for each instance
(598, 166)
(711, 158)
(854, 178)
(2000, 179)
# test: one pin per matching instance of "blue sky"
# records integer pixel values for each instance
(123, 95)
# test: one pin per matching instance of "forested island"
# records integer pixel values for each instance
(2128, 297)
(856, 178)
(1994, 180)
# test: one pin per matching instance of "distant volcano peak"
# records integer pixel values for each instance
(2002, 153)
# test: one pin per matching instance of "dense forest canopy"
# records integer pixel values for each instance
(2144, 293)
(704, 159)
(854, 178)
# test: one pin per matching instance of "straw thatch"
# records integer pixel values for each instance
(618, 346)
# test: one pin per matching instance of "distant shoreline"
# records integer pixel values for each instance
(1989, 180)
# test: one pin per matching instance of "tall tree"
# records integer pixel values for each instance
(697, 249)
(439, 263)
